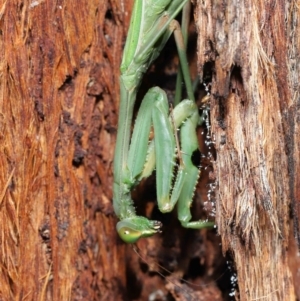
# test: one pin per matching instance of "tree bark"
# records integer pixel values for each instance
(59, 98)
(253, 48)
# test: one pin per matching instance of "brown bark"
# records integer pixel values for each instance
(59, 97)
(253, 48)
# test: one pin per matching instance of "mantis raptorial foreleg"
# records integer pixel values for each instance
(151, 25)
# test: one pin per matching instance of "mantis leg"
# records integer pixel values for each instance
(186, 117)
(154, 112)
(189, 145)
(184, 29)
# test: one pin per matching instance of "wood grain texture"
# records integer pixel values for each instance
(252, 48)
(59, 98)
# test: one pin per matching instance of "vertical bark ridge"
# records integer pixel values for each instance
(247, 43)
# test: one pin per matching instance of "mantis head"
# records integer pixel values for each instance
(133, 228)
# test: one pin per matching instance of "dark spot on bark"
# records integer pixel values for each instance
(56, 171)
(82, 247)
(64, 225)
(67, 118)
(62, 207)
(221, 117)
(78, 157)
(38, 106)
(87, 204)
(223, 139)
(12, 185)
(66, 83)
(21, 6)
(51, 55)
(95, 84)
(110, 129)
(44, 231)
(222, 124)
(236, 75)
(57, 149)
(109, 15)
(208, 69)
(79, 152)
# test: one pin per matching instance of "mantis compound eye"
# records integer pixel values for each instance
(132, 229)
(129, 235)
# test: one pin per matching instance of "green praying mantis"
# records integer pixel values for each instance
(152, 23)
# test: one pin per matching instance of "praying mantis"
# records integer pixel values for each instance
(151, 25)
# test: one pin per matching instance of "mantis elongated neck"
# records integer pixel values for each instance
(121, 193)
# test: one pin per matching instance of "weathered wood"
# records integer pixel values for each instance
(253, 48)
(59, 98)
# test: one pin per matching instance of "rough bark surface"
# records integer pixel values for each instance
(59, 97)
(252, 48)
